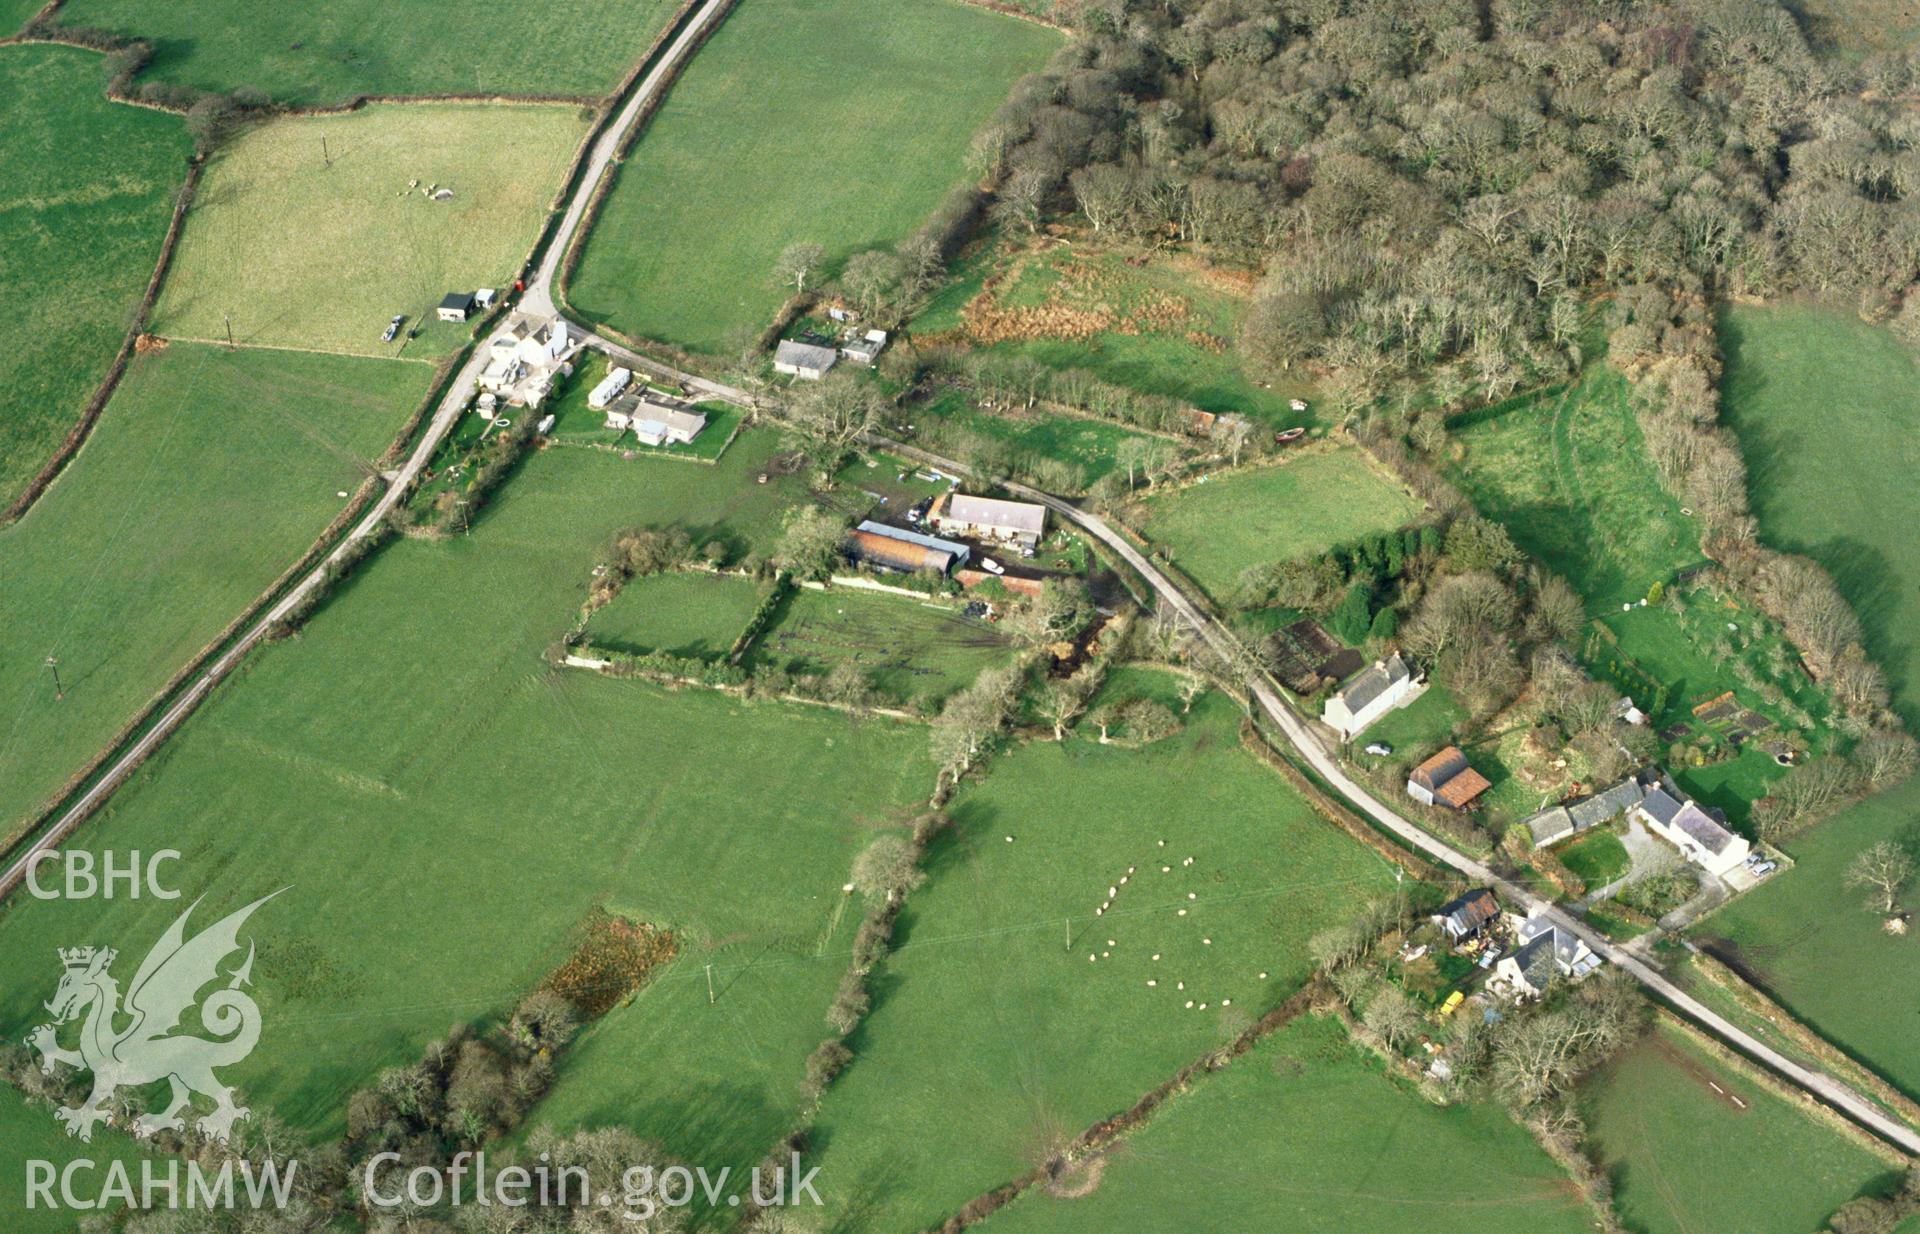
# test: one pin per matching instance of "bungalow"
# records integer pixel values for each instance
(1701, 838)
(990, 518)
(1546, 952)
(803, 360)
(611, 387)
(864, 349)
(654, 418)
(892, 548)
(1372, 694)
(457, 306)
(1446, 780)
(1467, 915)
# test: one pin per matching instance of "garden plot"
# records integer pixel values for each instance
(1029, 957)
(313, 231)
(911, 650)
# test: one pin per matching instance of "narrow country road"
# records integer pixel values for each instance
(537, 299)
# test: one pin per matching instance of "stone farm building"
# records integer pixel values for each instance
(1557, 823)
(990, 518)
(803, 360)
(1389, 683)
(1446, 780)
(891, 548)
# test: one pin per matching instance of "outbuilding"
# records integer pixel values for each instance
(457, 306)
(803, 360)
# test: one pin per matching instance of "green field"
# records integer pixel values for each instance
(911, 650)
(1164, 327)
(992, 1040)
(309, 245)
(1567, 472)
(1217, 529)
(1850, 504)
(837, 122)
(1089, 448)
(1308, 1135)
(444, 810)
(209, 474)
(29, 1132)
(685, 613)
(86, 188)
(328, 54)
(1685, 1158)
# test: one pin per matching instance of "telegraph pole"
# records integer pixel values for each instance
(326, 159)
(53, 666)
(228, 317)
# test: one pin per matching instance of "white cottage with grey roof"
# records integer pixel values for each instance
(1546, 953)
(803, 360)
(1387, 684)
(1701, 838)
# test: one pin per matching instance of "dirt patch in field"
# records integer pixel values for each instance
(615, 957)
(1079, 1180)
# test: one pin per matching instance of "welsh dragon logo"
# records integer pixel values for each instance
(136, 1045)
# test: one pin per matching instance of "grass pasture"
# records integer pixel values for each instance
(911, 650)
(685, 613)
(86, 189)
(445, 809)
(1089, 449)
(320, 55)
(1166, 326)
(209, 473)
(992, 1040)
(1851, 505)
(313, 245)
(1313, 501)
(839, 122)
(28, 1132)
(1309, 1135)
(1684, 1157)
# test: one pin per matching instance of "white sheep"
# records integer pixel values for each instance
(1152, 982)
(1183, 912)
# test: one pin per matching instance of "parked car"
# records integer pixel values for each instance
(393, 327)
(1765, 868)
(1379, 748)
(991, 566)
(1754, 859)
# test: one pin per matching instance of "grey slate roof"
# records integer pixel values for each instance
(804, 355)
(1022, 516)
(1550, 826)
(1660, 806)
(1374, 681)
(1536, 960)
(1698, 824)
(1611, 804)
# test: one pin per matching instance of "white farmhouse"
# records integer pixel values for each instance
(526, 358)
(990, 518)
(1700, 837)
(1546, 953)
(1389, 683)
